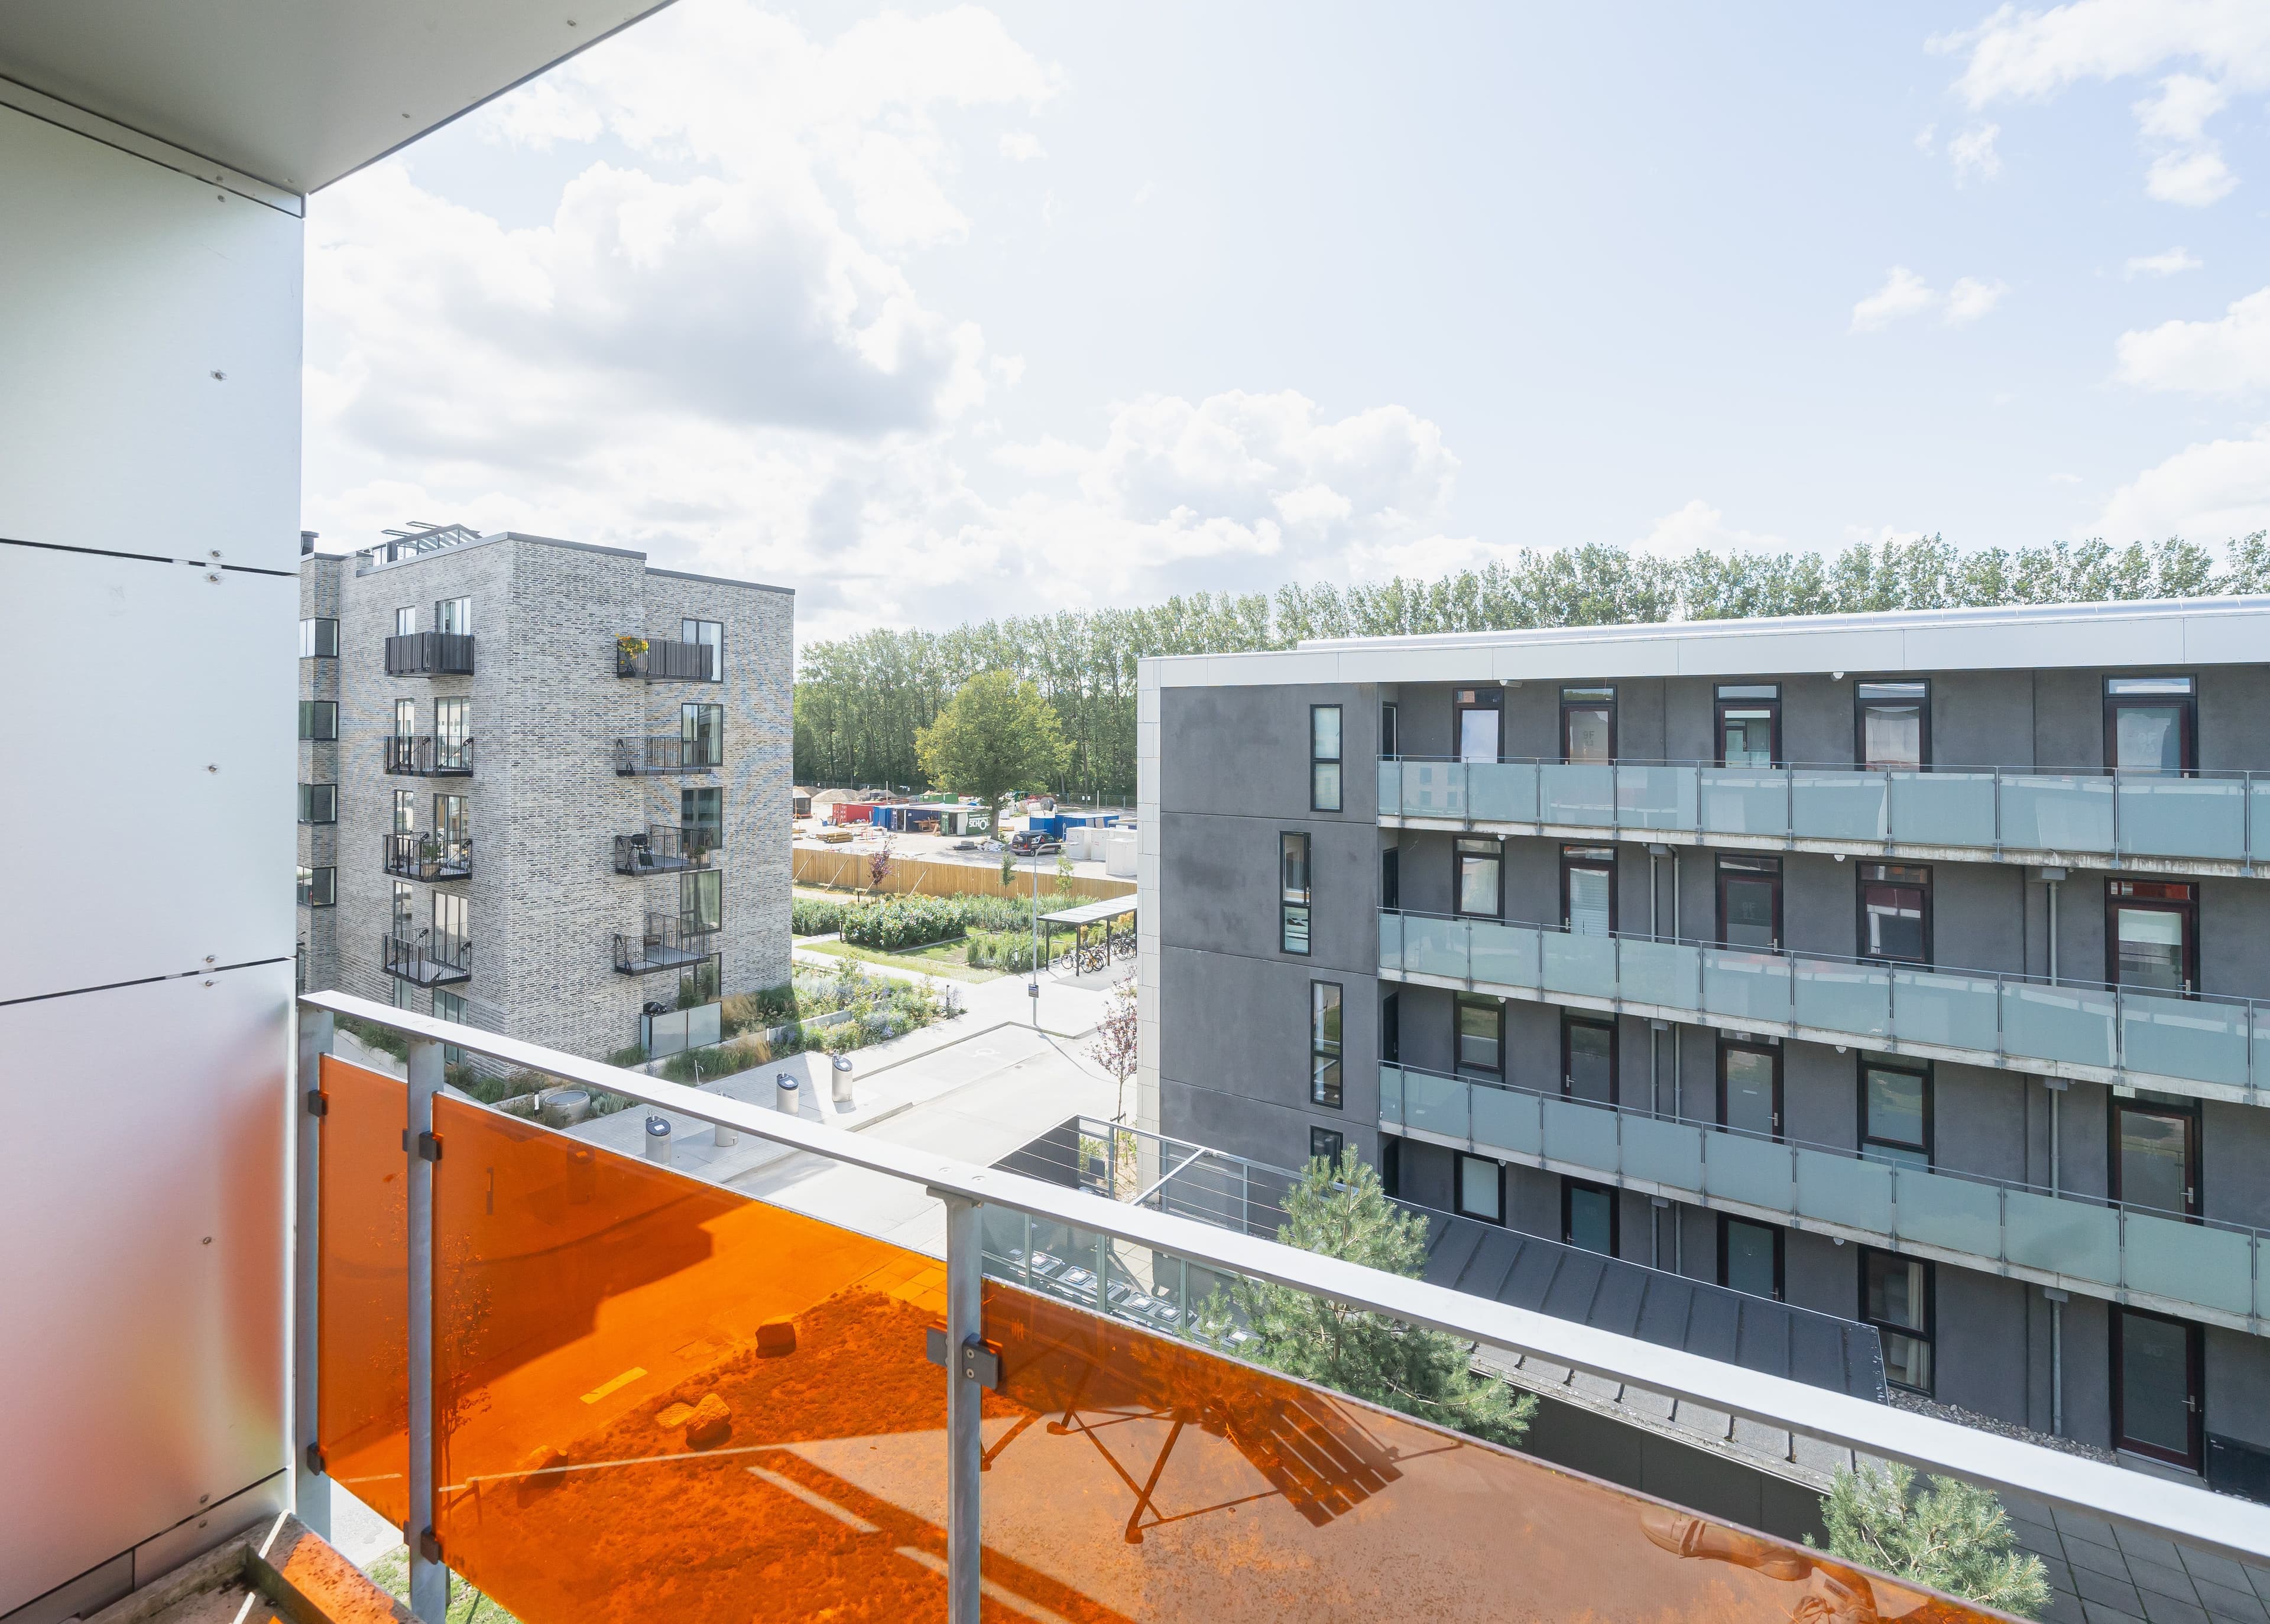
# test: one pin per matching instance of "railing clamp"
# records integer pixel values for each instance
(319, 1103)
(429, 1545)
(427, 1146)
(979, 1363)
(315, 1459)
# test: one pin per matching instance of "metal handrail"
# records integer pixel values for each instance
(427, 755)
(427, 956)
(666, 847)
(419, 856)
(663, 659)
(429, 654)
(666, 943)
(665, 753)
(2216, 1523)
(2015, 770)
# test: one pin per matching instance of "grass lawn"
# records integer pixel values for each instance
(944, 959)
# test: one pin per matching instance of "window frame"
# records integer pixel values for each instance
(1772, 1051)
(2195, 1122)
(1569, 862)
(1862, 704)
(1288, 903)
(1570, 1019)
(1460, 1064)
(1860, 904)
(1464, 699)
(1458, 1188)
(1928, 1335)
(2194, 1395)
(405, 710)
(313, 637)
(2187, 703)
(689, 631)
(309, 802)
(1568, 1188)
(1391, 877)
(691, 716)
(317, 714)
(405, 620)
(1726, 695)
(1327, 1054)
(1391, 1027)
(1496, 856)
(1320, 1136)
(451, 604)
(1318, 762)
(457, 906)
(2186, 909)
(318, 887)
(1726, 1220)
(692, 884)
(1391, 739)
(1589, 699)
(406, 813)
(1921, 1069)
(1749, 865)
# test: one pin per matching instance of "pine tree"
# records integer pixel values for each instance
(1341, 1211)
(1953, 1537)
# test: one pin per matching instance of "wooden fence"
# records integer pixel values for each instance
(848, 870)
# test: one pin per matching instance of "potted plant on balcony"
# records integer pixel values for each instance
(630, 655)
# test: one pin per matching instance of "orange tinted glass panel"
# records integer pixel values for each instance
(362, 1368)
(620, 1437)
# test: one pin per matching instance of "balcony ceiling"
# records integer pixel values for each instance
(295, 92)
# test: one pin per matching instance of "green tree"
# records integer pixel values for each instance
(1953, 1537)
(995, 735)
(1341, 1211)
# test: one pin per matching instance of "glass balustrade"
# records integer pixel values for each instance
(1502, 791)
(1850, 806)
(363, 1276)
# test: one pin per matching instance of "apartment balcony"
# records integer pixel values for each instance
(667, 943)
(658, 756)
(428, 857)
(665, 848)
(2164, 1262)
(2201, 824)
(663, 659)
(429, 959)
(424, 756)
(430, 654)
(2208, 1047)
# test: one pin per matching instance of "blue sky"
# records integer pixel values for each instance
(942, 311)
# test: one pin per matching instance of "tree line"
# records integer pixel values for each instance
(860, 700)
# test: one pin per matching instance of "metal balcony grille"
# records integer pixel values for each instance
(430, 959)
(669, 754)
(424, 756)
(667, 943)
(428, 857)
(664, 848)
(663, 659)
(430, 654)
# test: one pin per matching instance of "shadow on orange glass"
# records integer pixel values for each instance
(363, 1288)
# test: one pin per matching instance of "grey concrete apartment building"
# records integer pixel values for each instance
(543, 787)
(1911, 968)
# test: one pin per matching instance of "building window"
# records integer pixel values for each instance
(2151, 725)
(453, 731)
(319, 803)
(700, 983)
(1588, 890)
(319, 638)
(452, 929)
(1324, 1044)
(1390, 1028)
(1749, 902)
(319, 719)
(1749, 723)
(1892, 726)
(1750, 1257)
(1896, 1298)
(1895, 912)
(1481, 1188)
(1391, 877)
(1895, 1113)
(1391, 1165)
(1588, 1058)
(1480, 713)
(700, 899)
(2151, 934)
(448, 1006)
(1293, 894)
(1481, 1034)
(319, 887)
(453, 819)
(702, 814)
(1589, 1216)
(405, 718)
(1588, 725)
(453, 615)
(405, 811)
(1325, 1144)
(1388, 746)
(1481, 866)
(2156, 1155)
(405, 620)
(710, 637)
(702, 728)
(1323, 758)
(1749, 1088)
(2159, 1398)
(404, 897)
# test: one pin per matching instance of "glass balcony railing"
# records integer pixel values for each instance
(599, 1389)
(2203, 1046)
(2194, 1267)
(2016, 811)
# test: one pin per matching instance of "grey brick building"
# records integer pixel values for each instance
(1911, 968)
(543, 786)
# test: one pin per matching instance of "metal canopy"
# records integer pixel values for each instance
(1092, 912)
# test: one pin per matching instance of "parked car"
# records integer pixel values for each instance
(1027, 843)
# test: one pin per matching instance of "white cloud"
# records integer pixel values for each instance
(2211, 357)
(2167, 264)
(1973, 155)
(1021, 145)
(2194, 179)
(1902, 294)
(2208, 492)
(1699, 527)
(1924, 136)
(2179, 112)
(1971, 298)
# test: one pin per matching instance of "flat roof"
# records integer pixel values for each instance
(1090, 913)
(455, 548)
(2160, 632)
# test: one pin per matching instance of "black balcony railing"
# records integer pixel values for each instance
(661, 659)
(666, 848)
(423, 755)
(430, 959)
(668, 943)
(430, 654)
(429, 856)
(669, 754)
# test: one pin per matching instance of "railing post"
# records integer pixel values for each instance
(965, 1447)
(429, 1580)
(311, 1492)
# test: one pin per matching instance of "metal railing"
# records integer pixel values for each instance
(428, 857)
(2200, 1268)
(666, 753)
(2018, 813)
(666, 848)
(2217, 1524)
(423, 755)
(429, 959)
(667, 943)
(430, 654)
(663, 659)
(2203, 1045)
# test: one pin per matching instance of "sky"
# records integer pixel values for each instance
(939, 312)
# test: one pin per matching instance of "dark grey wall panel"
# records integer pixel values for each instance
(1980, 1125)
(1982, 719)
(1244, 752)
(1981, 1341)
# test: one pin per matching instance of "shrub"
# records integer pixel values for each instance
(1953, 1536)
(630, 1055)
(1001, 951)
(810, 917)
(372, 1035)
(903, 922)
